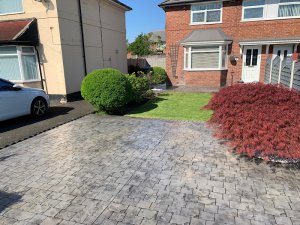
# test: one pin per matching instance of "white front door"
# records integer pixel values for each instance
(251, 63)
(282, 51)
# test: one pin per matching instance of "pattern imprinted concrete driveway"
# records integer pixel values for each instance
(118, 170)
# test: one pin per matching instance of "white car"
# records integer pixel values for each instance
(18, 101)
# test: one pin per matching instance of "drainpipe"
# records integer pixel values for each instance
(40, 69)
(82, 36)
(101, 32)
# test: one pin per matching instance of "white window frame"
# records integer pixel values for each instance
(205, 13)
(268, 11)
(188, 52)
(287, 3)
(253, 7)
(20, 54)
(17, 12)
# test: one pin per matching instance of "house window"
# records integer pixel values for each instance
(206, 13)
(11, 6)
(18, 63)
(205, 57)
(253, 9)
(270, 9)
(289, 8)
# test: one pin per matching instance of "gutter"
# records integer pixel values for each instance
(82, 36)
(122, 5)
(164, 4)
(270, 42)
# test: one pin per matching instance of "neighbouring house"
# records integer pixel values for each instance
(53, 44)
(157, 57)
(158, 41)
(218, 43)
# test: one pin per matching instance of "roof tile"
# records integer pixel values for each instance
(11, 29)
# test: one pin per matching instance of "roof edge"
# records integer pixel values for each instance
(226, 38)
(24, 28)
(205, 43)
(124, 6)
(186, 2)
(270, 42)
(13, 20)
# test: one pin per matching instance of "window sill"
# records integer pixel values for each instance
(208, 23)
(269, 19)
(13, 13)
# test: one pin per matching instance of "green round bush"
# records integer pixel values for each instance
(107, 89)
(158, 75)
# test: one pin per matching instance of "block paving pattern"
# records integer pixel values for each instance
(119, 170)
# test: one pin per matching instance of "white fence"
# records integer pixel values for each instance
(148, 61)
(285, 72)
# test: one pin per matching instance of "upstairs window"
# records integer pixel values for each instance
(289, 8)
(253, 9)
(270, 9)
(11, 6)
(206, 13)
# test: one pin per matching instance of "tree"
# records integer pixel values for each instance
(140, 46)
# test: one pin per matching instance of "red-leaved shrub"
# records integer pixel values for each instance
(259, 120)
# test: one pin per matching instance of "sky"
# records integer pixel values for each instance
(145, 17)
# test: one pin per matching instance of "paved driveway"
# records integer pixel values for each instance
(118, 170)
(18, 129)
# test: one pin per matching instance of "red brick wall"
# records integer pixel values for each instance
(178, 27)
(205, 78)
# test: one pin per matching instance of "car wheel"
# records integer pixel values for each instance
(39, 107)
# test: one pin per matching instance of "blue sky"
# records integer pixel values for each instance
(145, 17)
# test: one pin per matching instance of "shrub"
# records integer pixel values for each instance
(259, 120)
(140, 86)
(149, 94)
(133, 69)
(158, 75)
(107, 89)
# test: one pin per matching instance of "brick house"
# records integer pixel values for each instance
(158, 41)
(219, 43)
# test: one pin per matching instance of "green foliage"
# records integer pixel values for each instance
(158, 75)
(149, 94)
(107, 89)
(140, 86)
(141, 46)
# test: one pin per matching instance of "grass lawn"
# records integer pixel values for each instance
(175, 106)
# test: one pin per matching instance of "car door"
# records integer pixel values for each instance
(13, 101)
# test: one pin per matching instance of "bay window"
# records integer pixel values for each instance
(19, 63)
(11, 6)
(205, 57)
(206, 13)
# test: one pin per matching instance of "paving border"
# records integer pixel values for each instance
(45, 130)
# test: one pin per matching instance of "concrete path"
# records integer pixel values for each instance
(119, 170)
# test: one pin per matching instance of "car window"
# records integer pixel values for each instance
(4, 86)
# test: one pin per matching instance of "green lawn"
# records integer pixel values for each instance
(175, 106)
